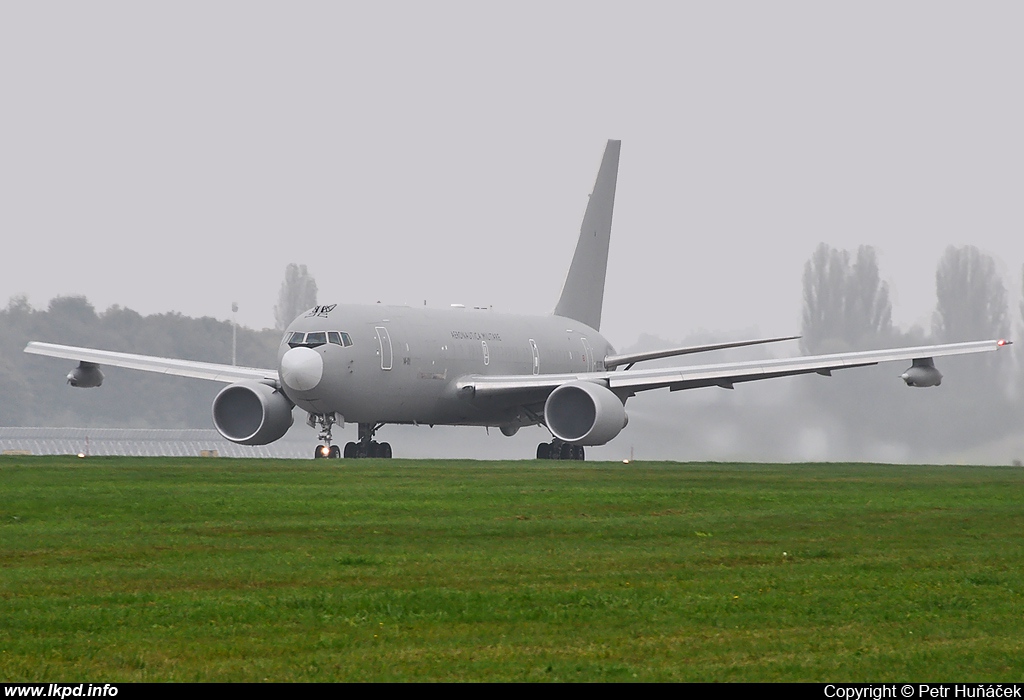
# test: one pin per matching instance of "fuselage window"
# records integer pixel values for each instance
(334, 337)
(346, 339)
(295, 339)
(315, 339)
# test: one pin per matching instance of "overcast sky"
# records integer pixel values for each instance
(176, 156)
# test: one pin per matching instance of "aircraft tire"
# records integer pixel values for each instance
(567, 452)
(544, 451)
(318, 452)
(335, 452)
(372, 450)
(385, 450)
(579, 454)
(350, 450)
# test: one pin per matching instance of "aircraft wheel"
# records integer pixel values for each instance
(567, 452)
(335, 452)
(544, 451)
(579, 454)
(318, 452)
(350, 450)
(385, 450)
(373, 450)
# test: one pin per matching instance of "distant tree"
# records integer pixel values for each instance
(18, 304)
(971, 298)
(298, 293)
(846, 304)
(77, 307)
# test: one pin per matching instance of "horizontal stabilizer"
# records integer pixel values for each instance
(629, 359)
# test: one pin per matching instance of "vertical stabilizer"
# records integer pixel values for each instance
(583, 292)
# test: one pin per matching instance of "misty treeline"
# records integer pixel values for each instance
(34, 392)
(847, 305)
(864, 413)
(298, 293)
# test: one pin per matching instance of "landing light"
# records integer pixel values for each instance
(325, 450)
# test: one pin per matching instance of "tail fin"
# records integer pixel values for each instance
(583, 292)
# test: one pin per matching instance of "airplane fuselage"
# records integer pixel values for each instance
(400, 364)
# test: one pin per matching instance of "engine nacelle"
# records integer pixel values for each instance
(251, 413)
(922, 373)
(584, 413)
(86, 376)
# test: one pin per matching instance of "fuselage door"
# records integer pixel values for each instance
(384, 344)
(588, 355)
(536, 356)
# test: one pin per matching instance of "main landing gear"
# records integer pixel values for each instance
(366, 447)
(556, 449)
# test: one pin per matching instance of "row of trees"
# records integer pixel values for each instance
(32, 389)
(864, 413)
(847, 304)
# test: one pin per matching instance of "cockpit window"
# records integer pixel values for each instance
(317, 338)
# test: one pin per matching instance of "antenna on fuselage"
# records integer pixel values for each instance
(583, 291)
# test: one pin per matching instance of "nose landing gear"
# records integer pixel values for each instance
(327, 452)
(326, 422)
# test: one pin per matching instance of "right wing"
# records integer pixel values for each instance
(534, 388)
(630, 359)
(160, 365)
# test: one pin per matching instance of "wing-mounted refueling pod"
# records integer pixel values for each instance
(86, 376)
(922, 373)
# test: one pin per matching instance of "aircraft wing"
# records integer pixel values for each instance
(630, 359)
(626, 384)
(160, 365)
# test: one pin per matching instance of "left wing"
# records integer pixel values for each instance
(161, 365)
(531, 388)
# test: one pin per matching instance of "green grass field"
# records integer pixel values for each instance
(120, 569)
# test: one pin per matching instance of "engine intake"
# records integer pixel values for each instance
(584, 413)
(251, 413)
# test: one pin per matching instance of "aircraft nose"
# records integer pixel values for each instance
(302, 368)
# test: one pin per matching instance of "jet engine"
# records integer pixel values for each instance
(922, 373)
(251, 413)
(86, 376)
(584, 413)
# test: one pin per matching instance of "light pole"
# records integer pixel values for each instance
(234, 331)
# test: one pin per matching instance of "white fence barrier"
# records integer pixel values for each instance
(141, 442)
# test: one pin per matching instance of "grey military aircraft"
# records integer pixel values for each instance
(375, 365)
